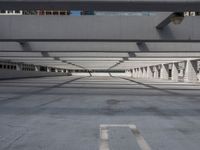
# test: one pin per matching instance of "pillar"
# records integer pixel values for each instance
(140, 73)
(175, 72)
(191, 71)
(156, 72)
(149, 72)
(37, 68)
(144, 72)
(134, 73)
(48, 69)
(18, 67)
(165, 71)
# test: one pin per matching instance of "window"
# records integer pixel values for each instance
(2, 11)
(55, 13)
(48, 12)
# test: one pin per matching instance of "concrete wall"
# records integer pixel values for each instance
(13, 74)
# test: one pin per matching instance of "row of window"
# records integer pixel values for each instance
(27, 67)
(11, 12)
(8, 66)
(192, 13)
(85, 12)
(45, 12)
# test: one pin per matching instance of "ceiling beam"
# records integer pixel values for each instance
(105, 47)
(95, 29)
(102, 5)
(101, 55)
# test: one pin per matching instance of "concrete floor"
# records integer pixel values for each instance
(64, 113)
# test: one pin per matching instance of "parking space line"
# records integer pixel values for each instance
(104, 136)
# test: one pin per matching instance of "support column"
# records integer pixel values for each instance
(156, 72)
(140, 73)
(165, 71)
(149, 72)
(175, 72)
(18, 67)
(145, 72)
(37, 68)
(134, 73)
(131, 73)
(191, 71)
(48, 69)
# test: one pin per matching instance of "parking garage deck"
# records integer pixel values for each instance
(66, 113)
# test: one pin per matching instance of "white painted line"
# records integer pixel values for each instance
(140, 139)
(117, 125)
(104, 137)
(104, 145)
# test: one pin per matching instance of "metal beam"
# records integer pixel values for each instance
(179, 16)
(102, 5)
(96, 29)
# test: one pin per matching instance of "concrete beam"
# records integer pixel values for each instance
(95, 29)
(78, 47)
(102, 5)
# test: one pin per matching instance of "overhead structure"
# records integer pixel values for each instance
(27, 28)
(156, 41)
(103, 5)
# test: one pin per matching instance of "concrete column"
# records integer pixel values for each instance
(18, 67)
(156, 72)
(137, 73)
(165, 71)
(134, 73)
(191, 71)
(175, 72)
(48, 69)
(140, 74)
(145, 72)
(37, 68)
(131, 73)
(149, 72)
